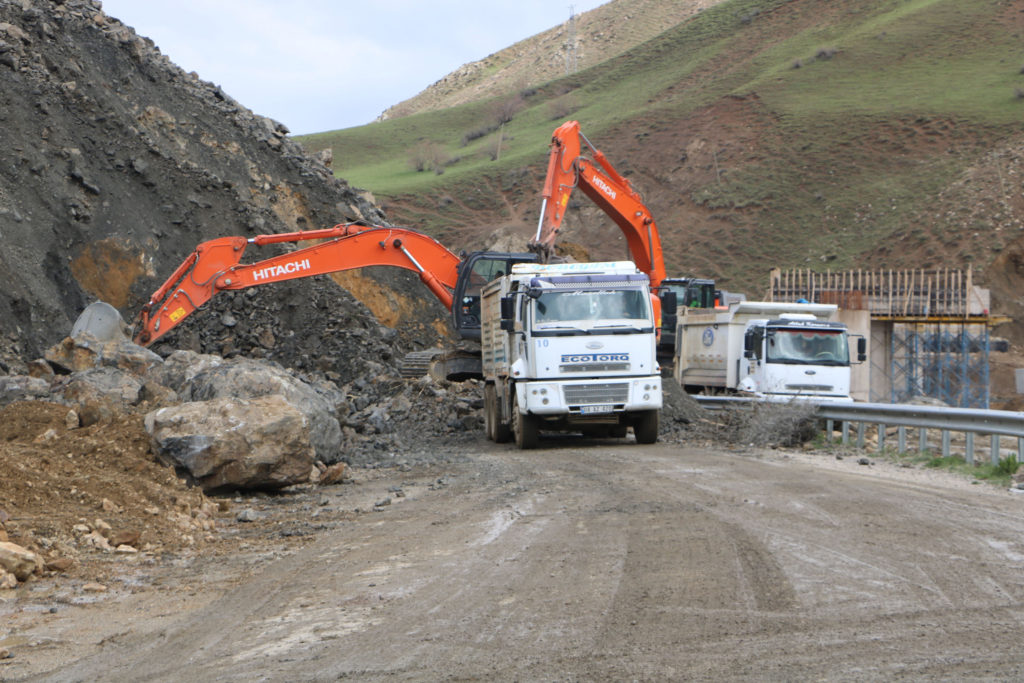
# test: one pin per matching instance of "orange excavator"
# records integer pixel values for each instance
(216, 266)
(569, 168)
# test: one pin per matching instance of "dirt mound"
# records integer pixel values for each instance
(59, 484)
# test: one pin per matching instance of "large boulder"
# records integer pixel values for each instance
(18, 560)
(246, 379)
(233, 444)
(181, 367)
(83, 352)
(101, 393)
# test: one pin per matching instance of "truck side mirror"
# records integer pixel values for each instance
(862, 350)
(508, 313)
(749, 345)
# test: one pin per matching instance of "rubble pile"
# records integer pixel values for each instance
(115, 164)
(311, 325)
(106, 446)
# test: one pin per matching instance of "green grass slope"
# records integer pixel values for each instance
(792, 133)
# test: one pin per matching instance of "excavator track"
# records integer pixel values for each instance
(456, 364)
(417, 363)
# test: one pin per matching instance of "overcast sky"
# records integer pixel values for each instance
(317, 65)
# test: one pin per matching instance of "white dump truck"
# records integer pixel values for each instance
(570, 347)
(772, 350)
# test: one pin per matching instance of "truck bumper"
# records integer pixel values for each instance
(594, 398)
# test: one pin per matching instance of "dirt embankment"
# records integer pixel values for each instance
(115, 164)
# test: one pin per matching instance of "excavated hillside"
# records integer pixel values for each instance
(115, 163)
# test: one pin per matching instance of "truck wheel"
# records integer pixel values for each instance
(490, 414)
(646, 427)
(497, 430)
(524, 427)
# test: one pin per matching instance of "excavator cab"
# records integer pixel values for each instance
(476, 270)
(692, 292)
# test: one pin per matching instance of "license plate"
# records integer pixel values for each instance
(590, 410)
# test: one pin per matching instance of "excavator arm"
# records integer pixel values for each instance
(598, 179)
(215, 266)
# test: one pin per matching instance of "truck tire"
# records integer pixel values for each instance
(497, 430)
(524, 427)
(490, 416)
(645, 428)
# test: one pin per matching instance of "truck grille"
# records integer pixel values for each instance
(595, 367)
(583, 394)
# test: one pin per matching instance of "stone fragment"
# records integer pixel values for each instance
(247, 515)
(94, 587)
(99, 394)
(333, 474)
(22, 388)
(97, 540)
(85, 352)
(124, 537)
(8, 581)
(59, 564)
(19, 561)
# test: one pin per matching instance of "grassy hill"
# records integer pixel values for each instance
(791, 133)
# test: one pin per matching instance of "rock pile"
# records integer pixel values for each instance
(242, 423)
(115, 164)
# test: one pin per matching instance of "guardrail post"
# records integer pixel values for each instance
(993, 450)
(901, 432)
(1020, 448)
(860, 435)
(969, 448)
(829, 426)
(922, 439)
(846, 432)
(945, 443)
(881, 437)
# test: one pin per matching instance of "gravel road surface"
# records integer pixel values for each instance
(595, 560)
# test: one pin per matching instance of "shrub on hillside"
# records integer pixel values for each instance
(428, 156)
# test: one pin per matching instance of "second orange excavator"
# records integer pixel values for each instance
(569, 168)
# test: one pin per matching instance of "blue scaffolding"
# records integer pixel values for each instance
(945, 360)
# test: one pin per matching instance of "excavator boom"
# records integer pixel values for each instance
(215, 266)
(568, 169)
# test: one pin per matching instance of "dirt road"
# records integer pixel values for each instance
(600, 561)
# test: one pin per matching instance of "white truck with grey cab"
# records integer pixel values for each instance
(771, 350)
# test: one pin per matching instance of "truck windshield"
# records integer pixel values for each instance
(585, 308)
(808, 347)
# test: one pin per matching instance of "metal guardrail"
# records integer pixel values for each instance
(970, 421)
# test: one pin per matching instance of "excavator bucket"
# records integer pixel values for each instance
(102, 321)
